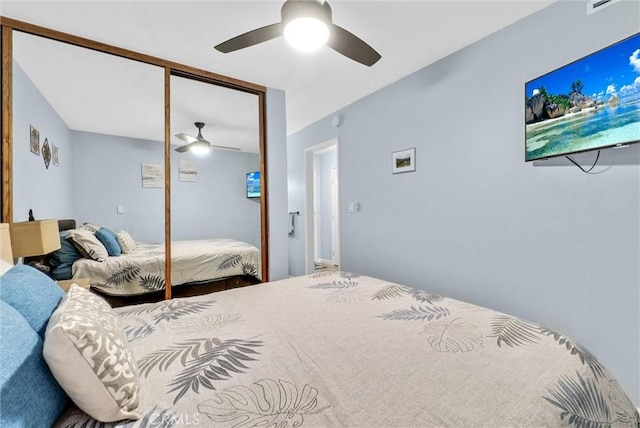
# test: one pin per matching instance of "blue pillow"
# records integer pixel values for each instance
(108, 238)
(29, 394)
(62, 260)
(32, 293)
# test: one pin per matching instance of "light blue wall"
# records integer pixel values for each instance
(277, 175)
(552, 245)
(216, 206)
(326, 162)
(108, 174)
(46, 191)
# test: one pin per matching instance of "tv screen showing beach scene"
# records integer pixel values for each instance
(589, 104)
(253, 184)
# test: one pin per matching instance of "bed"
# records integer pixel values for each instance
(139, 273)
(340, 349)
(143, 271)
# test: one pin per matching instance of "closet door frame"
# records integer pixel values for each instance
(8, 25)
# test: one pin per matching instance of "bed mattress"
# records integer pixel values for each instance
(143, 270)
(339, 349)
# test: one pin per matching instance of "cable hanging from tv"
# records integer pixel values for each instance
(588, 171)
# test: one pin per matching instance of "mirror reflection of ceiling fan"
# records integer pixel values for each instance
(307, 25)
(198, 144)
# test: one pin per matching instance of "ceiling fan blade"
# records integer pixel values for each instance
(224, 147)
(352, 46)
(183, 149)
(251, 38)
(188, 138)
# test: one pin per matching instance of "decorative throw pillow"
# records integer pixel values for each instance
(87, 244)
(126, 242)
(109, 239)
(62, 260)
(29, 394)
(87, 352)
(31, 293)
(90, 227)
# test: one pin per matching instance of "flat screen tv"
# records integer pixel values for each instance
(253, 184)
(590, 104)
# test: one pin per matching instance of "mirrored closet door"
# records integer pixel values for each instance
(88, 145)
(89, 133)
(215, 183)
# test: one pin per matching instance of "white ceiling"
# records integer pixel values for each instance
(408, 34)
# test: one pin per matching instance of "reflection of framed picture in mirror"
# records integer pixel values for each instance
(152, 175)
(46, 153)
(54, 150)
(404, 161)
(35, 140)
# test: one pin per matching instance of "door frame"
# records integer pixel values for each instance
(309, 180)
(9, 25)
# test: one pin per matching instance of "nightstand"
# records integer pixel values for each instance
(82, 282)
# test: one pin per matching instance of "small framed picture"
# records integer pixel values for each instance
(187, 171)
(54, 152)
(46, 153)
(152, 175)
(404, 161)
(35, 140)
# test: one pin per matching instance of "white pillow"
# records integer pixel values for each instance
(90, 227)
(126, 242)
(88, 354)
(4, 266)
(87, 244)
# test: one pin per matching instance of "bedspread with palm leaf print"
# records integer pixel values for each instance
(338, 349)
(142, 271)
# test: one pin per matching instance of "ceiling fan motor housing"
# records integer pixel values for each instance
(199, 125)
(292, 9)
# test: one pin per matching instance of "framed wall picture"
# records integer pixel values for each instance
(152, 175)
(46, 153)
(187, 171)
(54, 152)
(34, 139)
(403, 161)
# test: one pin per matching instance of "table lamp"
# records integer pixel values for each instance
(34, 238)
(5, 244)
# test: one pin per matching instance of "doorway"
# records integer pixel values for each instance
(322, 196)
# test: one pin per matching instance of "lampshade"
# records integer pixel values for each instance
(34, 238)
(5, 243)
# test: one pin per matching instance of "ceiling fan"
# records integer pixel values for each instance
(198, 144)
(306, 24)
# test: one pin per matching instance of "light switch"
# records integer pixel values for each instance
(351, 207)
(120, 209)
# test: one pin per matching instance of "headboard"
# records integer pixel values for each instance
(66, 224)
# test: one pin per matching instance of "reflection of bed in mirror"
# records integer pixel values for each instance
(137, 274)
(104, 142)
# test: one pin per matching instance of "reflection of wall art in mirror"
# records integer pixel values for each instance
(54, 150)
(35, 140)
(187, 171)
(46, 153)
(152, 175)
(404, 161)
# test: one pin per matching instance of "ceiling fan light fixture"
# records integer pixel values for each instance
(306, 24)
(306, 33)
(200, 147)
